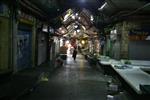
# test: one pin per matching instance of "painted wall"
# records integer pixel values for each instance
(4, 43)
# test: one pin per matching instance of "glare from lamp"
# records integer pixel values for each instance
(73, 17)
(79, 18)
(83, 42)
(66, 17)
(92, 18)
(63, 31)
(115, 31)
(60, 28)
(76, 26)
(78, 31)
(77, 14)
(83, 27)
(67, 42)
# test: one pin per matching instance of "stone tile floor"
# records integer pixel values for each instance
(76, 80)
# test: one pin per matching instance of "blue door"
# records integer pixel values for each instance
(24, 49)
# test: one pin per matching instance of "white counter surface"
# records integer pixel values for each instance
(105, 62)
(139, 63)
(134, 77)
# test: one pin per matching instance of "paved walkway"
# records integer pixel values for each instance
(76, 80)
(15, 85)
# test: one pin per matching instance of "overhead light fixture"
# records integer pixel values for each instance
(73, 16)
(83, 42)
(66, 17)
(79, 18)
(68, 27)
(67, 42)
(63, 31)
(78, 30)
(115, 31)
(83, 27)
(102, 6)
(92, 18)
(77, 14)
(60, 28)
(76, 26)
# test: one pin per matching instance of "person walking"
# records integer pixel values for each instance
(74, 54)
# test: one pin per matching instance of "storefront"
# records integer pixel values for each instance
(24, 41)
(42, 39)
(139, 44)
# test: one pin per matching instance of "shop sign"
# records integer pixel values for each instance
(24, 16)
(4, 10)
(139, 32)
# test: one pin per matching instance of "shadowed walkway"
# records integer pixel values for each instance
(76, 80)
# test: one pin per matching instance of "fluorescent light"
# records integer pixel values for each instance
(115, 31)
(79, 18)
(77, 14)
(83, 27)
(66, 17)
(111, 32)
(103, 6)
(73, 17)
(63, 31)
(76, 26)
(78, 30)
(60, 28)
(67, 42)
(92, 18)
(83, 42)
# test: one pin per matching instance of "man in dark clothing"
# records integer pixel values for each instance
(74, 54)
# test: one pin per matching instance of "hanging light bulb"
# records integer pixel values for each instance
(76, 26)
(77, 14)
(79, 18)
(63, 31)
(92, 18)
(73, 16)
(83, 42)
(78, 30)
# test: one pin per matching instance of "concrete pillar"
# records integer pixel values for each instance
(34, 43)
(126, 27)
(124, 40)
(15, 31)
